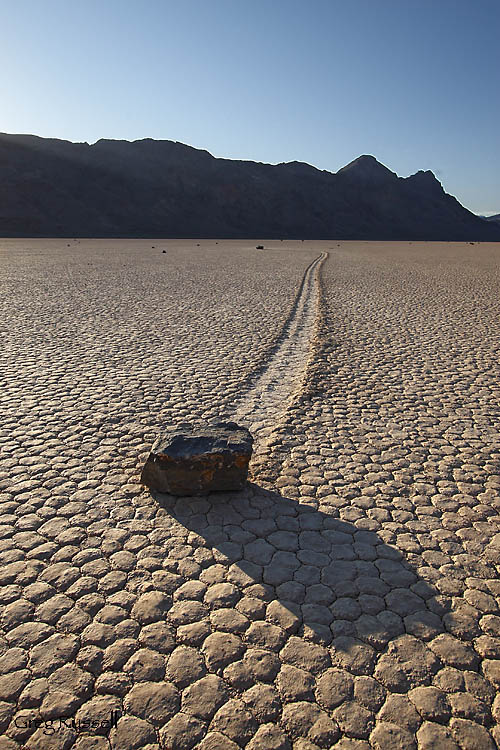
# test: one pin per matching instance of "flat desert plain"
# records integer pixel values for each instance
(349, 597)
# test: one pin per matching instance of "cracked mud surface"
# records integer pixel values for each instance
(349, 598)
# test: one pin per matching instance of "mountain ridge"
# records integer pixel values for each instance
(160, 188)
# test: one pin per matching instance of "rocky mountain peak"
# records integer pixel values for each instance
(366, 168)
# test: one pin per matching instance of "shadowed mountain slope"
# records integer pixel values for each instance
(149, 188)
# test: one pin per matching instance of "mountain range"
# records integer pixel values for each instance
(157, 188)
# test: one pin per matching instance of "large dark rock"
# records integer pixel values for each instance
(193, 459)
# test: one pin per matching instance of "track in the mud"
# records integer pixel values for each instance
(267, 396)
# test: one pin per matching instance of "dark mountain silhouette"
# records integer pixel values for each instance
(495, 218)
(149, 188)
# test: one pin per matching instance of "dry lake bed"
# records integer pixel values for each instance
(349, 597)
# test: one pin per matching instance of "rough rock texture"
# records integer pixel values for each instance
(199, 458)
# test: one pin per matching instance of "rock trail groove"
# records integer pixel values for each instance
(267, 396)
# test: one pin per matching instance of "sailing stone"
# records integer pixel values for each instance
(194, 459)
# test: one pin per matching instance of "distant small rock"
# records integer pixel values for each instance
(164, 251)
(259, 247)
(194, 459)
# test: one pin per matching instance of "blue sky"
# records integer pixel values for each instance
(413, 82)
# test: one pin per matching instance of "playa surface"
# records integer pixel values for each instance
(349, 597)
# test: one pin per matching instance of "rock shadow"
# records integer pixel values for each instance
(320, 577)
